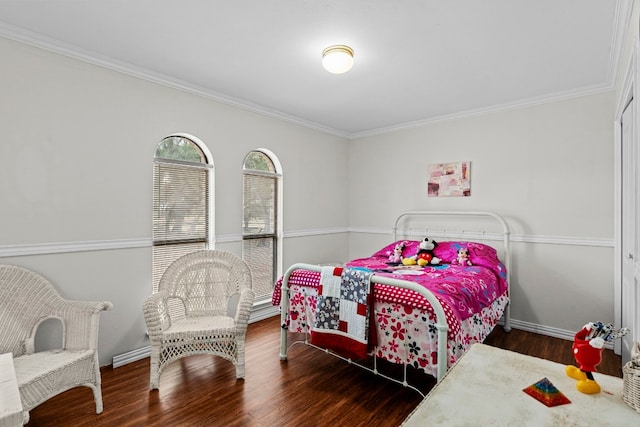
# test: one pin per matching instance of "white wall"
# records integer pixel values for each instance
(547, 168)
(76, 175)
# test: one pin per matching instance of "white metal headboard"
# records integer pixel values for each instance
(505, 235)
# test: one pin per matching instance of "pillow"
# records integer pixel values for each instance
(410, 248)
(479, 253)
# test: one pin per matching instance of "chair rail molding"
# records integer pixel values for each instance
(67, 247)
(7, 251)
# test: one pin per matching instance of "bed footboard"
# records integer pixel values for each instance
(441, 320)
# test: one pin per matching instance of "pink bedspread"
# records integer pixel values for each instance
(473, 298)
(461, 290)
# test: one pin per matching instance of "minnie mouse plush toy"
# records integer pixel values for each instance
(396, 256)
(463, 257)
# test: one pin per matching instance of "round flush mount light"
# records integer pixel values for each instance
(337, 59)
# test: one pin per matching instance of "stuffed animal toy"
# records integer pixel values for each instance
(587, 350)
(463, 257)
(396, 256)
(424, 255)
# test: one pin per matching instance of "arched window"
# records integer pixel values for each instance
(181, 200)
(260, 212)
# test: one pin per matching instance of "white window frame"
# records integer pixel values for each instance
(210, 243)
(278, 269)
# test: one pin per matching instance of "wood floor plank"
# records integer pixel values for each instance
(311, 388)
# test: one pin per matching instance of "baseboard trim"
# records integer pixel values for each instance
(141, 353)
(265, 313)
(549, 331)
(131, 356)
(261, 313)
(543, 330)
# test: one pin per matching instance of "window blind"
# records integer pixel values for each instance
(259, 230)
(180, 212)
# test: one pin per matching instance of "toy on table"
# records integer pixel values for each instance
(588, 344)
(545, 392)
(424, 255)
(462, 257)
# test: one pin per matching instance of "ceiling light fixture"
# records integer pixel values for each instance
(337, 59)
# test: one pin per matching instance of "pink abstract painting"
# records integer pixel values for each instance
(449, 179)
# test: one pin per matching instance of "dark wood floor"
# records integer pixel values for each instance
(310, 389)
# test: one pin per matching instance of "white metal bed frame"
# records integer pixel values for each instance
(441, 321)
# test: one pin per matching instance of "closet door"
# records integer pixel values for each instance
(630, 182)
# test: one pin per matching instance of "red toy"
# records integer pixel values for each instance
(424, 256)
(587, 350)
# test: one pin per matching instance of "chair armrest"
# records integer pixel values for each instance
(245, 304)
(81, 322)
(156, 315)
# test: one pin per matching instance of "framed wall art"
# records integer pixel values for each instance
(449, 180)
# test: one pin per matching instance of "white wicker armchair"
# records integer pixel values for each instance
(202, 306)
(26, 300)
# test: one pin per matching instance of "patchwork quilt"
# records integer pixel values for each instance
(343, 312)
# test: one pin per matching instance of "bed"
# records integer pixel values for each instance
(425, 317)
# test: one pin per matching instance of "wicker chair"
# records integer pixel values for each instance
(26, 300)
(202, 306)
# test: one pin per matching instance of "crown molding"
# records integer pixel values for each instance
(529, 102)
(623, 14)
(21, 35)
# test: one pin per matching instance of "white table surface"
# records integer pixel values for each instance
(10, 404)
(485, 389)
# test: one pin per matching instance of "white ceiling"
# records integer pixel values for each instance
(416, 61)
